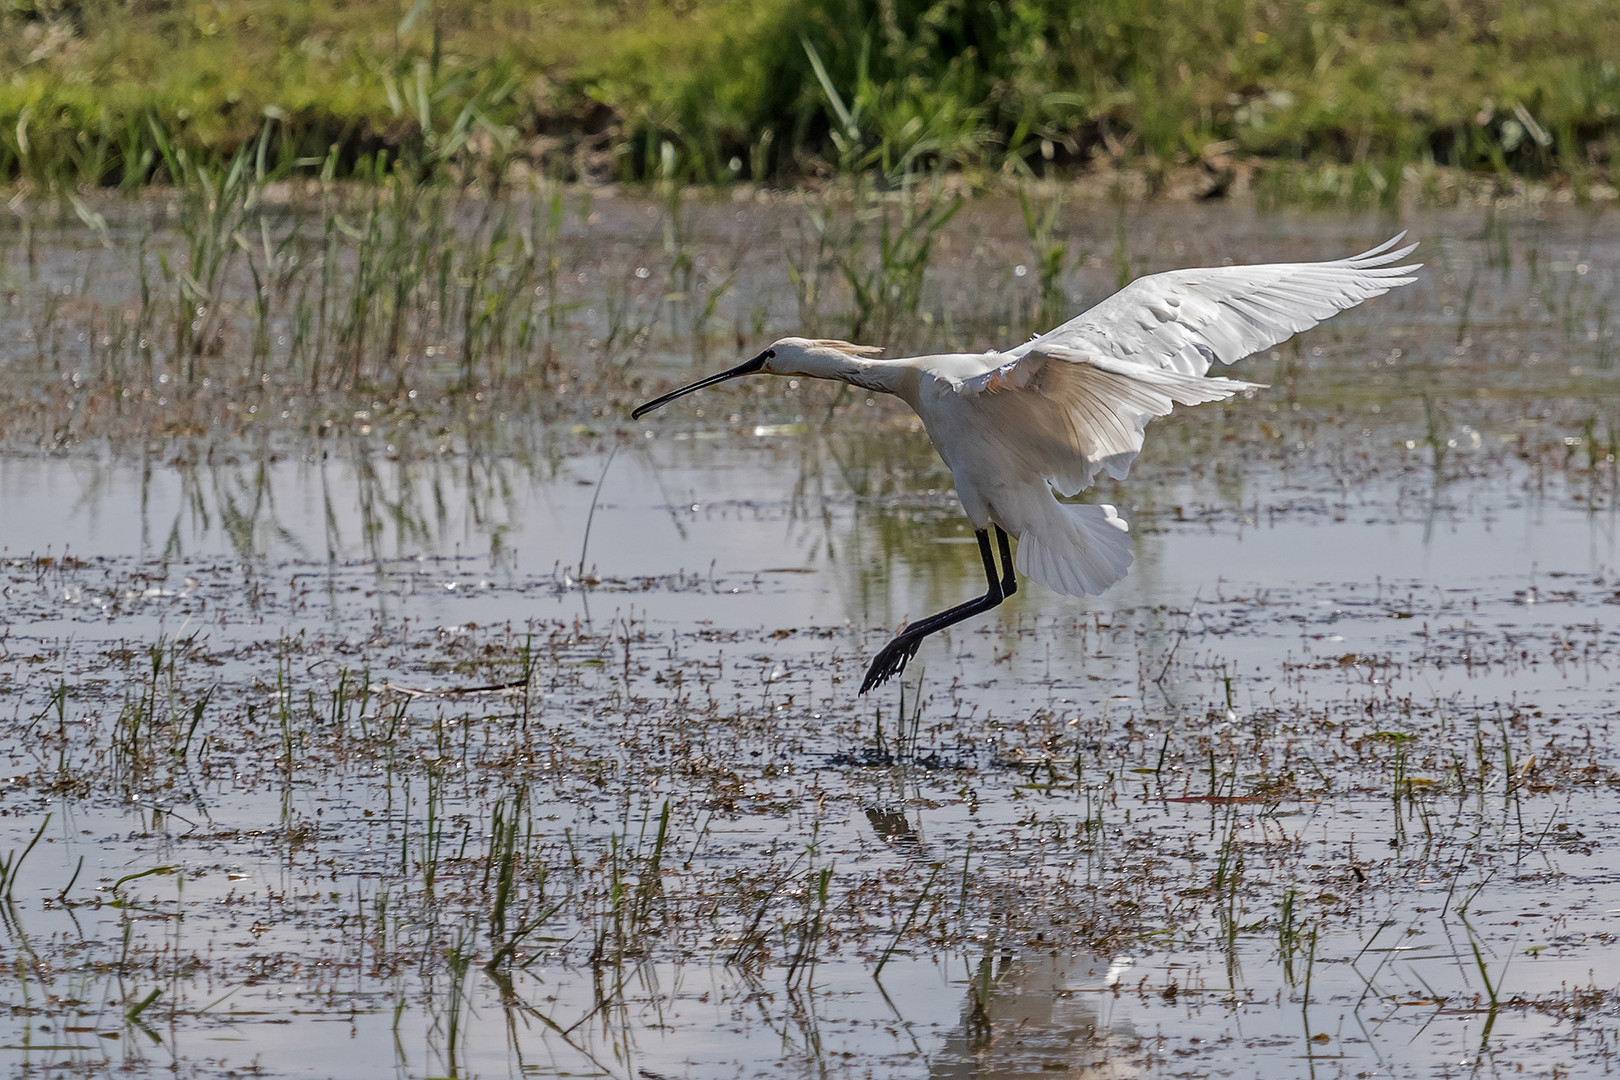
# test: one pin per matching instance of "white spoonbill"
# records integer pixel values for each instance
(1022, 427)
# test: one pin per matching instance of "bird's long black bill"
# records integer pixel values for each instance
(748, 368)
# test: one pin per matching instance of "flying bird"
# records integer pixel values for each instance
(1020, 428)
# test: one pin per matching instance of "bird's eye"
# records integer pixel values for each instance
(770, 354)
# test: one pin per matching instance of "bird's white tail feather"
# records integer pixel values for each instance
(1077, 548)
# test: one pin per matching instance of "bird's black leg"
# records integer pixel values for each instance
(1009, 584)
(892, 660)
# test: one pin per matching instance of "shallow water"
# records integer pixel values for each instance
(1325, 787)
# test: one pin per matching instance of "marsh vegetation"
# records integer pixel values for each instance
(1335, 101)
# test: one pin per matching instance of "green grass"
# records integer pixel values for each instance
(752, 89)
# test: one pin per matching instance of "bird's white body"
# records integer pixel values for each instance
(1018, 429)
(1009, 455)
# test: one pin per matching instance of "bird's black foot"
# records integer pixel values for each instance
(891, 661)
(897, 653)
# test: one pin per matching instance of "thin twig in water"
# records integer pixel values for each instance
(910, 918)
(1176, 644)
(591, 515)
(13, 863)
(452, 691)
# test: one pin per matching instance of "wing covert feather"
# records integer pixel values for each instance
(1065, 416)
(1183, 320)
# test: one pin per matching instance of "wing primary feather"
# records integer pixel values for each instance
(1208, 306)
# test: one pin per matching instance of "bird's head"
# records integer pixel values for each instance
(817, 358)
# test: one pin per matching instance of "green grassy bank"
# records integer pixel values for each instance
(94, 92)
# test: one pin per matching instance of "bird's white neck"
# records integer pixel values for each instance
(820, 360)
(880, 376)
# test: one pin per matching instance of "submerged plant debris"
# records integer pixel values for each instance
(452, 740)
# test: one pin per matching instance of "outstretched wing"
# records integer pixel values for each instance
(1064, 414)
(1182, 320)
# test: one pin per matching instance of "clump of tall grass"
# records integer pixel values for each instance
(885, 254)
(257, 288)
(372, 287)
(158, 721)
(880, 240)
(1059, 86)
(1051, 256)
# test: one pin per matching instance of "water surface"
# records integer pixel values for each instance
(1325, 786)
